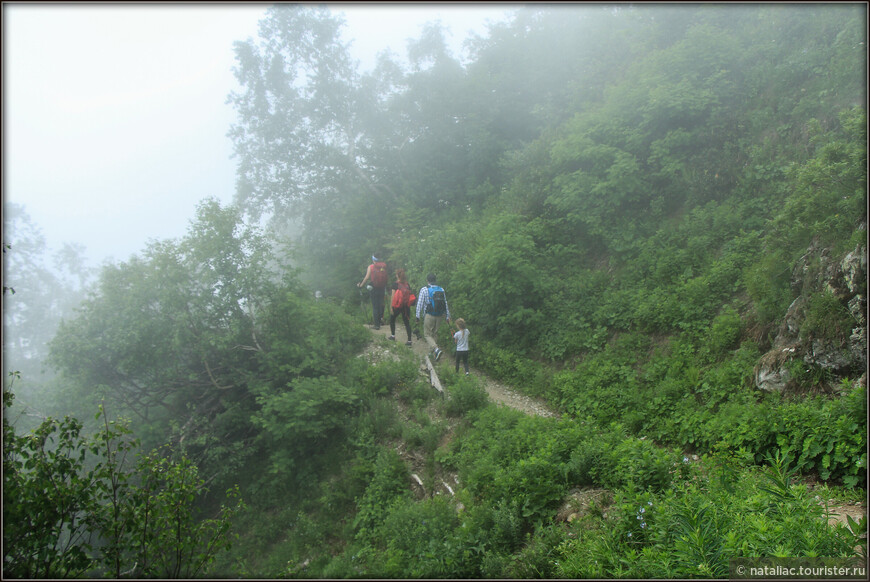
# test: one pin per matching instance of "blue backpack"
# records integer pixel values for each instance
(437, 301)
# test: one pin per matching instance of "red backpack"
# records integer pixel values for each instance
(379, 274)
(402, 296)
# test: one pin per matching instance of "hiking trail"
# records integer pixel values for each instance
(498, 393)
(505, 396)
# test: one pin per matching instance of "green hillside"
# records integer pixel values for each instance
(652, 217)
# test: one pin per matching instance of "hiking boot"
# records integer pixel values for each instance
(408, 343)
(437, 354)
(392, 337)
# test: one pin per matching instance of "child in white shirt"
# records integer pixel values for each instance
(461, 340)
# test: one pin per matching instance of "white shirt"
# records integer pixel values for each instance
(461, 338)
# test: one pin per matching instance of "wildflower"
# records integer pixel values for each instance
(649, 503)
(629, 534)
(643, 510)
(643, 524)
(685, 459)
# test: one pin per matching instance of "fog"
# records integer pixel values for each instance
(115, 116)
(115, 124)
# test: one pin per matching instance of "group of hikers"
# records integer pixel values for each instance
(430, 302)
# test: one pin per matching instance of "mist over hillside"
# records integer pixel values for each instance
(651, 218)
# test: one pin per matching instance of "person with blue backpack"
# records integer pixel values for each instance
(432, 303)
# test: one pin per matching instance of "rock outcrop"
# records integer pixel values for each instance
(833, 356)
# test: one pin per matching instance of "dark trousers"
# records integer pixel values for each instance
(405, 312)
(377, 294)
(462, 357)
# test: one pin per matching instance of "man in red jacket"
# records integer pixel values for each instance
(377, 274)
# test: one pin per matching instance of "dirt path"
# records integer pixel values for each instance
(498, 393)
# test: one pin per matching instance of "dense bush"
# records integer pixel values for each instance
(89, 505)
(416, 540)
(464, 395)
(387, 487)
(693, 530)
(826, 437)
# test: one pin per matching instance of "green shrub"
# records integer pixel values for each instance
(825, 436)
(507, 456)
(591, 461)
(308, 413)
(417, 540)
(387, 487)
(724, 333)
(827, 318)
(377, 420)
(695, 528)
(344, 565)
(600, 388)
(497, 527)
(536, 559)
(464, 396)
(389, 376)
(524, 374)
(425, 437)
(641, 464)
(419, 392)
(767, 283)
(744, 424)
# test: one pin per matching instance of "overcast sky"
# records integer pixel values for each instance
(114, 116)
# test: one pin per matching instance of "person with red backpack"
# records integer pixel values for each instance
(400, 304)
(377, 273)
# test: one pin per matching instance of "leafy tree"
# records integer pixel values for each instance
(303, 417)
(306, 394)
(305, 141)
(46, 497)
(830, 196)
(73, 507)
(175, 327)
(507, 305)
(296, 112)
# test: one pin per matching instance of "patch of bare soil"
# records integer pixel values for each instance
(585, 502)
(838, 513)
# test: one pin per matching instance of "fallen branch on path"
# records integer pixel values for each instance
(433, 376)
